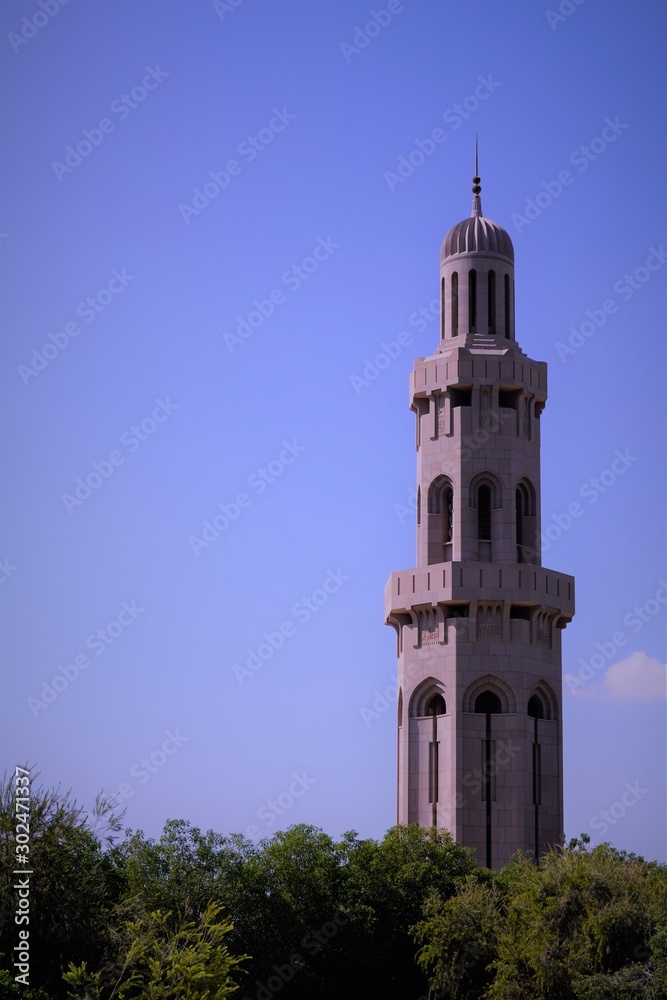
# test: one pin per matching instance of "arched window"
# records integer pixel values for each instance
(472, 300)
(419, 505)
(488, 703)
(455, 304)
(442, 309)
(440, 519)
(484, 513)
(436, 705)
(508, 311)
(400, 707)
(492, 301)
(520, 513)
(525, 514)
(536, 711)
(535, 707)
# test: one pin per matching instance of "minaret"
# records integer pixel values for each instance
(479, 620)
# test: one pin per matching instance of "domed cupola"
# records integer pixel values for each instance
(477, 277)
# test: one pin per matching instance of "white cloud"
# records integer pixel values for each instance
(637, 678)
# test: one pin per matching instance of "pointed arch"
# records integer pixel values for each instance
(442, 309)
(440, 519)
(508, 308)
(544, 692)
(495, 486)
(423, 695)
(525, 509)
(528, 496)
(455, 304)
(494, 685)
(491, 301)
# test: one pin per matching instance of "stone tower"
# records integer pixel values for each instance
(479, 620)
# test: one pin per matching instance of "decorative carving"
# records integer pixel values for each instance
(442, 428)
(544, 634)
(428, 635)
(489, 632)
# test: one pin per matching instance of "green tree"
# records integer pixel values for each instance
(459, 938)
(75, 886)
(157, 957)
(581, 925)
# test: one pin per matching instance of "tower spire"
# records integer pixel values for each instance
(476, 187)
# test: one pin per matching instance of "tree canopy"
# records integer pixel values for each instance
(208, 915)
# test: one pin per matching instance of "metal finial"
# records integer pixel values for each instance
(476, 186)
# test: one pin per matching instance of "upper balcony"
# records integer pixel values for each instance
(474, 582)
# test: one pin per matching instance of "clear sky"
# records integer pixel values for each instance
(169, 344)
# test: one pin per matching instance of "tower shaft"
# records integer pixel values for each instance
(479, 620)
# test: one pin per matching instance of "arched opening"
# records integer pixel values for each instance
(455, 304)
(472, 300)
(442, 309)
(508, 312)
(536, 711)
(400, 707)
(440, 520)
(419, 505)
(484, 513)
(520, 513)
(436, 706)
(535, 707)
(525, 506)
(492, 301)
(488, 703)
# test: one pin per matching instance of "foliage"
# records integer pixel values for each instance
(581, 925)
(75, 885)
(176, 917)
(460, 937)
(11, 990)
(157, 958)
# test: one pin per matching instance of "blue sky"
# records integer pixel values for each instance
(139, 288)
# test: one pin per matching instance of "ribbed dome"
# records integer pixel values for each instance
(477, 235)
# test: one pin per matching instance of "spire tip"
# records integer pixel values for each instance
(476, 186)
